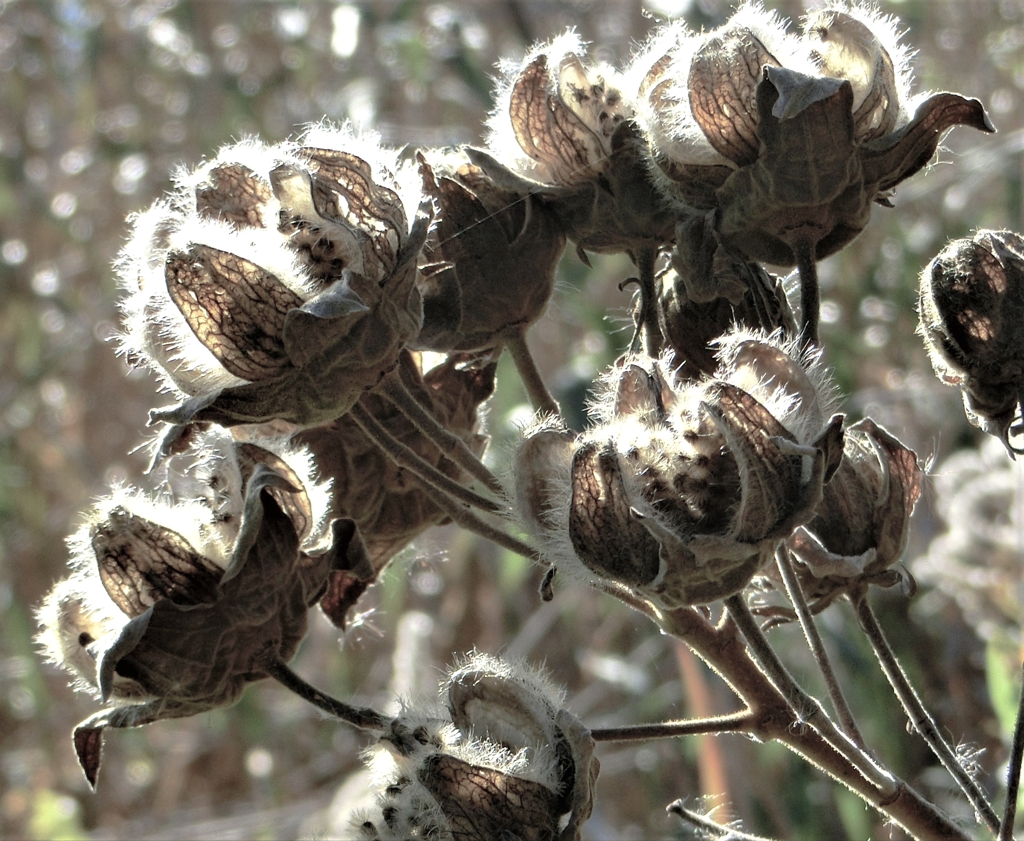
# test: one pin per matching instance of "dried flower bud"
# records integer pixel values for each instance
(173, 608)
(510, 762)
(254, 323)
(494, 255)
(789, 141)
(972, 306)
(390, 506)
(861, 526)
(684, 491)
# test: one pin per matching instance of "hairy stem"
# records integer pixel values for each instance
(450, 445)
(647, 325)
(364, 718)
(723, 649)
(540, 398)
(405, 457)
(738, 722)
(918, 715)
(814, 641)
(677, 808)
(1013, 772)
(471, 522)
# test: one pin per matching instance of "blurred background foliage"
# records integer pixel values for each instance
(101, 99)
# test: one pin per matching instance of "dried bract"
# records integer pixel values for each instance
(972, 309)
(491, 256)
(174, 608)
(789, 141)
(563, 132)
(504, 760)
(860, 528)
(389, 505)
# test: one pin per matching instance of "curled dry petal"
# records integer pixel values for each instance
(972, 308)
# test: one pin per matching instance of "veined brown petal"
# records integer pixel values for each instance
(141, 563)
(236, 309)
(236, 194)
(724, 75)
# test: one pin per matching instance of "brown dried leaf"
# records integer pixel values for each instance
(236, 308)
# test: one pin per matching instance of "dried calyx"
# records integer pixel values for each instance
(972, 309)
(787, 142)
(502, 758)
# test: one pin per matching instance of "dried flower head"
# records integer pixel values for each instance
(174, 606)
(491, 258)
(503, 760)
(279, 283)
(972, 308)
(684, 491)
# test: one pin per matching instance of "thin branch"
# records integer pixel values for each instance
(740, 722)
(647, 318)
(918, 715)
(405, 457)
(536, 390)
(807, 708)
(471, 522)
(814, 641)
(698, 820)
(364, 718)
(451, 445)
(1013, 773)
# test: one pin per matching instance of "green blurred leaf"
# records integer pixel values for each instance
(1002, 673)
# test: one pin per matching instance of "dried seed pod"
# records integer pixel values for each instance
(494, 255)
(279, 285)
(860, 528)
(684, 491)
(389, 505)
(787, 142)
(505, 760)
(166, 620)
(563, 132)
(972, 306)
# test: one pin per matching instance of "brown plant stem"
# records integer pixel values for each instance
(739, 722)
(364, 718)
(723, 649)
(709, 825)
(647, 317)
(810, 305)
(450, 445)
(807, 708)
(1013, 772)
(919, 717)
(405, 457)
(814, 642)
(540, 398)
